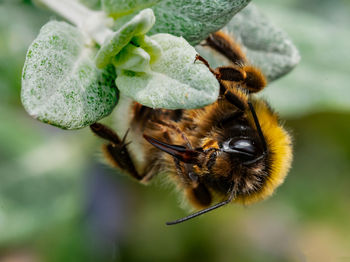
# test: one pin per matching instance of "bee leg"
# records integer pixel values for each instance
(196, 193)
(250, 77)
(231, 73)
(255, 80)
(205, 62)
(116, 150)
(232, 98)
(199, 196)
(227, 46)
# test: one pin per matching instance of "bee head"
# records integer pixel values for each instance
(235, 154)
(250, 149)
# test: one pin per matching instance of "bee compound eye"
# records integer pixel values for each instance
(243, 145)
(244, 148)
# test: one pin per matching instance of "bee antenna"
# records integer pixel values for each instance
(258, 127)
(201, 212)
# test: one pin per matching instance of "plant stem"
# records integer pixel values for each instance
(71, 10)
(93, 23)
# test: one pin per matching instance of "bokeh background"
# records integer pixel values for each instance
(59, 202)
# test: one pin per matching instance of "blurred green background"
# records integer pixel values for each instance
(59, 202)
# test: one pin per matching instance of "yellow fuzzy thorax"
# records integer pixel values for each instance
(279, 144)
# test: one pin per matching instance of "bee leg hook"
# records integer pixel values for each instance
(116, 150)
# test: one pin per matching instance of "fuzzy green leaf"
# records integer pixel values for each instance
(138, 25)
(175, 80)
(149, 45)
(192, 19)
(93, 4)
(60, 83)
(132, 58)
(119, 8)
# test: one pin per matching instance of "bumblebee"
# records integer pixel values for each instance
(234, 150)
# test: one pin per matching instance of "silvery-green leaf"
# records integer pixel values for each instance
(265, 45)
(93, 4)
(138, 54)
(149, 45)
(60, 83)
(194, 19)
(132, 58)
(119, 8)
(175, 81)
(138, 25)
